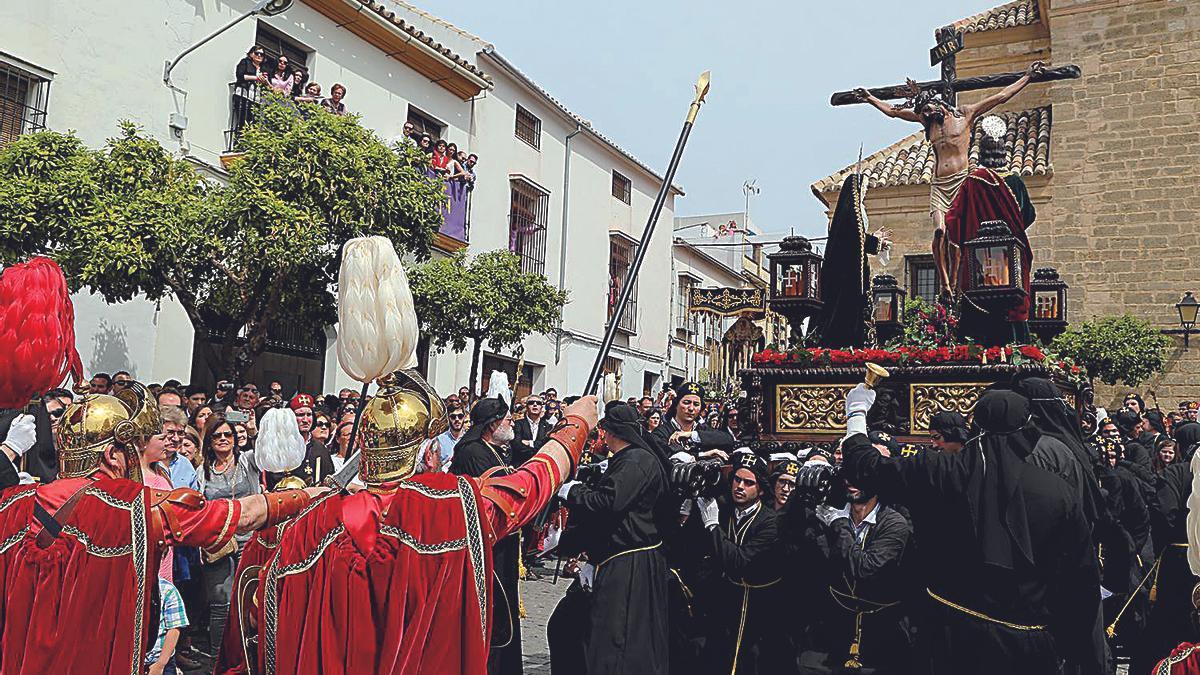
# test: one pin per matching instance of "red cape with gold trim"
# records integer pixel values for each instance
(985, 196)
(1184, 660)
(368, 583)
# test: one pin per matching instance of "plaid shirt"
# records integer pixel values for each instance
(173, 616)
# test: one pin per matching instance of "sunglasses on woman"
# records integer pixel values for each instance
(322, 425)
(222, 434)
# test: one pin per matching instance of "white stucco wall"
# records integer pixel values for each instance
(108, 58)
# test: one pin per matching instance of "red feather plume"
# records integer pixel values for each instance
(37, 331)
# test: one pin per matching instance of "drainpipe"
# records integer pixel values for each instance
(562, 246)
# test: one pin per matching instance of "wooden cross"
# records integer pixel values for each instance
(950, 42)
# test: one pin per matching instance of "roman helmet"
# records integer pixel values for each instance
(97, 420)
(405, 412)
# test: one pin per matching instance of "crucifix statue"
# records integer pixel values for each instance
(948, 126)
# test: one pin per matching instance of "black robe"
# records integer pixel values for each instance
(473, 458)
(1169, 622)
(867, 582)
(629, 613)
(1055, 598)
(740, 595)
(845, 275)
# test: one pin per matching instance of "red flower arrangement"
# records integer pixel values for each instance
(970, 353)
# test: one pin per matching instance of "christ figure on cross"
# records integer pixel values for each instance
(948, 129)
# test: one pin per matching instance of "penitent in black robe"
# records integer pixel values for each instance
(845, 288)
(628, 619)
(474, 458)
(1040, 607)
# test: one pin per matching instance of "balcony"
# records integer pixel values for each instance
(454, 233)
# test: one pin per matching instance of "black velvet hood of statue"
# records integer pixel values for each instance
(845, 274)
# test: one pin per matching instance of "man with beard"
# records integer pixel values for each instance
(483, 452)
(317, 464)
(1014, 585)
(866, 625)
(949, 130)
(627, 621)
(740, 595)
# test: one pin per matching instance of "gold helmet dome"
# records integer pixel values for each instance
(404, 413)
(88, 427)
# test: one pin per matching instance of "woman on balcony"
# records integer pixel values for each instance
(248, 77)
(282, 79)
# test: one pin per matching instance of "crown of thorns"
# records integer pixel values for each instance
(918, 99)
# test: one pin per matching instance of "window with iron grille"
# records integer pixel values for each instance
(527, 225)
(529, 128)
(424, 124)
(620, 256)
(922, 277)
(23, 101)
(622, 187)
(686, 284)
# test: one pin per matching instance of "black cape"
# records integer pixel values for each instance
(845, 318)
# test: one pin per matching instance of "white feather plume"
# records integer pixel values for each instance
(498, 386)
(279, 446)
(994, 127)
(377, 323)
(1193, 516)
(608, 388)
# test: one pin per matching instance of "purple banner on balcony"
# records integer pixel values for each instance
(454, 211)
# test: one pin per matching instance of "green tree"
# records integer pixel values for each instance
(264, 249)
(488, 299)
(1115, 348)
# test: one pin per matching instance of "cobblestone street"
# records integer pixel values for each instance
(539, 597)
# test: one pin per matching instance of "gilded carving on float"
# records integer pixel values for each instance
(811, 407)
(927, 400)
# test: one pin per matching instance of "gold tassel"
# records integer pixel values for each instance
(520, 576)
(853, 663)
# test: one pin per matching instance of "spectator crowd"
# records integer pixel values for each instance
(257, 73)
(844, 567)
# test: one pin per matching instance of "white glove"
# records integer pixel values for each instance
(566, 488)
(682, 457)
(859, 399)
(604, 466)
(709, 513)
(25, 478)
(587, 575)
(22, 434)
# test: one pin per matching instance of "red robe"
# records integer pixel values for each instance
(985, 196)
(88, 603)
(1184, 660)
(385, 583)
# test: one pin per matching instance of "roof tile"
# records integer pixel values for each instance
(1008, 15)
(910, 160)
(382, 10)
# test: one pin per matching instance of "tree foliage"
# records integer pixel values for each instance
(487, 299)
(264, 249)
(1115, 348)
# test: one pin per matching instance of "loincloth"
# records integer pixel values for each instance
(943, 190)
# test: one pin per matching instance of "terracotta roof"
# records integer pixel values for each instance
(382, 10)
(1008, 15)
(910, 160)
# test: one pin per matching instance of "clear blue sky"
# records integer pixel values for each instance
(629, 67)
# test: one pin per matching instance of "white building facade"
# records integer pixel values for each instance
(576, 201)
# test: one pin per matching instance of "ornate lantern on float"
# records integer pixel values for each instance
(795, 282)
(993, 260)
(1048, 307)
(887, 307)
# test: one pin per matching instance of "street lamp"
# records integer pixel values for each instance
(264, 7)
(1188, 308)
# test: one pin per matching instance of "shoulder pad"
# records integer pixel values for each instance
(185, 497)
(503, 491)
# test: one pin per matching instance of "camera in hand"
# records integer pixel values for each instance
(697, 479)
(820, 484)
(589, 474)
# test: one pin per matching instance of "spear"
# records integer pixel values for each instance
(610, 332)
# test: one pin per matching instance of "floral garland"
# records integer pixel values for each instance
(919, 356)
